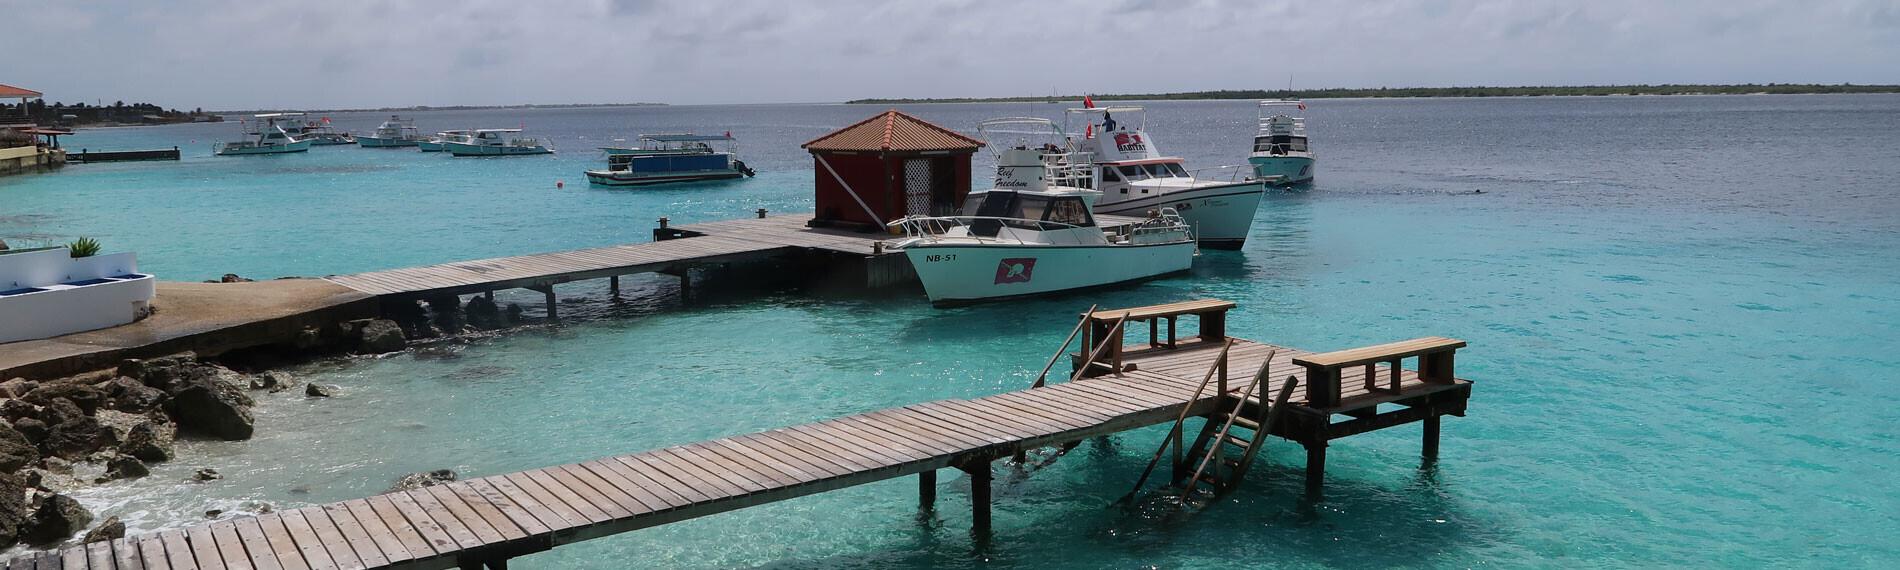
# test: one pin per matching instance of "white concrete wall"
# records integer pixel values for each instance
(65, 309)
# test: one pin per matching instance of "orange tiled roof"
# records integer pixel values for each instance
(11, 92)
(893, 130)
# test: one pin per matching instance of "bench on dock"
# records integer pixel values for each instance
(1434, 355)
(1212, 314)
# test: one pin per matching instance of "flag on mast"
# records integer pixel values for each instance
(1088, 101)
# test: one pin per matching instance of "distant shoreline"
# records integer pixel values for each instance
(1427, 92)
(445, 108)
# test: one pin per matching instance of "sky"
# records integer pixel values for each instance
(225, 55)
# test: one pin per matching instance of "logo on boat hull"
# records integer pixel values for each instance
(1126, 142)
(1015, 270)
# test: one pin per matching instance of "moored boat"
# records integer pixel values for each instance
(395, 132)
(1033, 234)
(669, 158)
(1280, 151)
(439, 142)
(265, 135)
(320, 133)
(496, 142)
(1135, 178)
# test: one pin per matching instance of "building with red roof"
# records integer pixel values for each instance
(889, 166)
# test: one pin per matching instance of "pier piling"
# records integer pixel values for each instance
(1315, 469)
(980, 479)
(927, 490)
(613, 286)
(1430, 448)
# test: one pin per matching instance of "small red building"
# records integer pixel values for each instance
(887, 167)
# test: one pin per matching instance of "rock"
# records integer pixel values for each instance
(76, 439)
(57, 518)
(258, 507)
(83, 395)
(514, 312)
(17, 387)
(206, 474)
(273, 380)
(14, 512)
(149, 441)
(122, 466)
(16, 451)
(233, 278)
(142, 369)
(129, 395)
(3, 243)
(423, 479)
(446, 313)
(316, 390)
(14, 409)
(62, 410)
(379, 336)
(112, 529)
(483, 314)
(212, 406)
(213, 513)
(34, 429)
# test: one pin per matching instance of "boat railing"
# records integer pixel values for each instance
(933, 228)
(1226, 173)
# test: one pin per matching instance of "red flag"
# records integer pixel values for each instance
(1302, 105)
(728, 134)
(1089, 133)
(1088, 102)
(326, 120)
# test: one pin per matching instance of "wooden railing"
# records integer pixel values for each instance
(1435, 365)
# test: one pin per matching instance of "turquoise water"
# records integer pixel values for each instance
(1681, 314)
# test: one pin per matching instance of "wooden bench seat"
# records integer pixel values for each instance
(1435, 366)
(1101, 328)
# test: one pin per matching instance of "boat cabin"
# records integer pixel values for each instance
(991, 211)
(1281, 133)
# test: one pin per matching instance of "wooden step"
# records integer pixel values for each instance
(1246, 423)
(1236, 440)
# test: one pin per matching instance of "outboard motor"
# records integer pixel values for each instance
(740, 166)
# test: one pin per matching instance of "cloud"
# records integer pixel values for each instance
(222, 53)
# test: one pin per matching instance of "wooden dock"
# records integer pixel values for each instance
(88, 155)
(486, 521)
(676, 250)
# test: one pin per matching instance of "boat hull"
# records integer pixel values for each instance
(461, 149)
(613, 178)
(299, 146)
(374, 142)
(959, 273)
(1290, 169)
(431, 146)
(1221, 215)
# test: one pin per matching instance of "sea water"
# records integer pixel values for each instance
(1681, 314)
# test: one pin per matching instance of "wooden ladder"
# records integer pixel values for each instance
(1218, 433)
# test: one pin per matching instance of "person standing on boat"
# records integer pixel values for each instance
(1108, 122)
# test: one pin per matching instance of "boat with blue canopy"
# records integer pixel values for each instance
(671, 157)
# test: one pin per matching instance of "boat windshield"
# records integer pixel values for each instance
(1018, 211)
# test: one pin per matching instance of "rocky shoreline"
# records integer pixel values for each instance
(62, 434)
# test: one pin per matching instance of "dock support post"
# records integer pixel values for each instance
(489, 294)
(1431, 437)
(980, 479)
(686, 284)
(927, 490)
(613, 285)
(1315, 469)
(547, 293)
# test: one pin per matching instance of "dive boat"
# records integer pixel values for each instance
(319, 133)
(1033, 235)
(1280, 151)
(667, 158)
(395, 132)
(1135, 178)
(265, 136)
(439, 142)
(495, 142)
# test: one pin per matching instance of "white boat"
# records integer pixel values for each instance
(1135, 178)
(496, 142)
(320, 133)
(395, 132)
(668, 158)
(439, 142)
(265, 135)
(1034, 234)
(1280, 150)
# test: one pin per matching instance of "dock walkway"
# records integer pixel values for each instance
(487, 520)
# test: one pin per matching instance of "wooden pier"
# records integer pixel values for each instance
(486, 521)
(676, 250)
(87, 155)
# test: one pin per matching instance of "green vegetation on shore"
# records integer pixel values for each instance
(1528, 91)
(118, 113)
(450, 108)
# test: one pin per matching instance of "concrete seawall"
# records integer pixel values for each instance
(209, 318)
